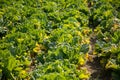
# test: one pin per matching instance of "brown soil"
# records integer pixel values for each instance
(96, 71)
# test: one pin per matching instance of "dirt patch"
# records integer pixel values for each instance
(96, 71)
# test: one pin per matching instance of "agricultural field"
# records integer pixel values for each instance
(59, 39)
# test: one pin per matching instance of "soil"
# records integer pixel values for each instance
(96, 71)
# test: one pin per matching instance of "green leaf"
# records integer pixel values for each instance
(11, 63)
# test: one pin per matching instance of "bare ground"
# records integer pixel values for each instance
(96, 71)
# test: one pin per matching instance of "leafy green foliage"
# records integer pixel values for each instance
(47, 39)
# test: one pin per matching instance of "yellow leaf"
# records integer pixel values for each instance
(37, 45)
(86, 56)
(111, 65)
(83, 76)
(20, 40)
(36, 49)
(23, 74)
(81, 61)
